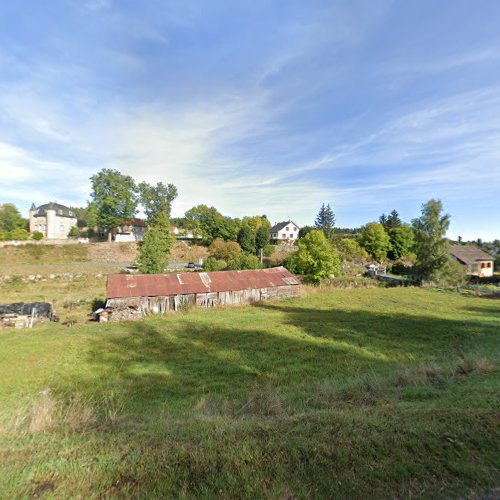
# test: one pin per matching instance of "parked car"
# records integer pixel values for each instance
(192, 265)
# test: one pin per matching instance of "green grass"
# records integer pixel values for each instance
(342, 393)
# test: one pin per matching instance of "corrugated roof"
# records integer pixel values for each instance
(155, 285)
(469, 254)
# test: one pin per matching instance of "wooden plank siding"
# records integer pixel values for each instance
(129, 308)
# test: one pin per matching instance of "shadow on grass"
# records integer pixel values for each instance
(173, 362)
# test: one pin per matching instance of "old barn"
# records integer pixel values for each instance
(134, 296)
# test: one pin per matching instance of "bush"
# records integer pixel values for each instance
(268, 250)
(224, 250)
(316, 258)
(37, 236)
(244, 261)
(74, 232)
(213, 264)
(18, 234)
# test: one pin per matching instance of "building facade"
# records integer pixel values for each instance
(53, 220)
(285, 231)
(477, 261)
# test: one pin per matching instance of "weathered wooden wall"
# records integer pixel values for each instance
(134, 308)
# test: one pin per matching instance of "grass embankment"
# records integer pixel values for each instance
(343, 393)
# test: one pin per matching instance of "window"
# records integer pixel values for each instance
(287, 228)
(489, 265)
(284, 235)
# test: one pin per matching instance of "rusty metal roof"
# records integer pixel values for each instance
(154, 285)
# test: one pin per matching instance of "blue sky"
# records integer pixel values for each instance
(258, 106)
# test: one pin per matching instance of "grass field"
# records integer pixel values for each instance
(341, 393)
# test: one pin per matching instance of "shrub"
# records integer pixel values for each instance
(224, 250)
(268, 250)
(316, 258)
(74, 232)
(18, 234)
(37, 236)
(244, 261)
(351, 250)
(213, 264)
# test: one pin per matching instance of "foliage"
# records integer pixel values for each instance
(402, 240)
(86, 216)
(19, 233)
(268, 250)
(156, 198)
(350, 250)
(10, 218)
(262, 237)
(74, 232)
(243, 261)
(316, 258)
(256, 222)
(213, 264)
(375, 241)
(325, 220)
(451, 274)
(305, 230)
(37, 236)
(392, 221)
(224, 250)
(153, 254)
(431, 247)
(210, 224)
(114, 198)
(246, 239)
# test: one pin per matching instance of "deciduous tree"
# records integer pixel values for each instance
(114, 198)
(375, 241)
(10, 218)
(431, 246)
(316, 258)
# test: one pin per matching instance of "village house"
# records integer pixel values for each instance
(478, 262)
(134, 296)
(53, 220)
(131, 230)
(285, 231)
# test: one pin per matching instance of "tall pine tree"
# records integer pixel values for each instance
(325, 220)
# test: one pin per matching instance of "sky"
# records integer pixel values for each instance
(258, 106)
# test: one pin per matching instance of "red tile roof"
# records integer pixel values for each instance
(154, 285)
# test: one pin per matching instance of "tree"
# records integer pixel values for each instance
(243, 261)
(224, 250)
(382, 220)
(209, 223)
(375, 241)
(304, 231)
(325, 220)
(153, 254)
(256, 222)
(262, 237)
(10, 218)
(351, 250)
(114, 198)
(393, 221)
(246, 239)
(156, 198)
(431, 247)
(316, 258)
(402, 240)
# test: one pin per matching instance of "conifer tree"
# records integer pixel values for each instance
(325, 220)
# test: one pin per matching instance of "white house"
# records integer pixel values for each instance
(53, 220)
(285, 231)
